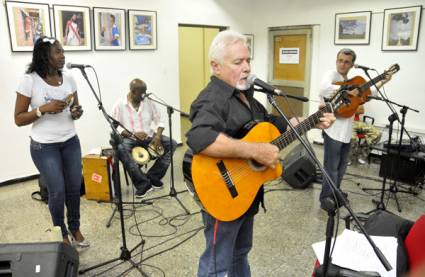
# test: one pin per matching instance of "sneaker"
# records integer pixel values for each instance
(144, 191)
(157, 184)
(349, 162)
(78, 240)
(361, 161)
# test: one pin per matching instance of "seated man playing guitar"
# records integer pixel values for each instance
(220, 166)
(337, 138)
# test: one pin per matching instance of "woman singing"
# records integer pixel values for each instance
(55, 147)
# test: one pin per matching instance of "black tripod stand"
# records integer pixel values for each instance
(393, 159)
(173, 193)
(380, 204)
(116, 139)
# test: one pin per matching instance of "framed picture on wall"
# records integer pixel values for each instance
(250, 40)
(352, 28)
(27, 22)
(109, 29)
(142, 29)
(72, 27)
(401, 28)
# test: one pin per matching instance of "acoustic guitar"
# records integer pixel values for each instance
(364, 90)
(226, 188)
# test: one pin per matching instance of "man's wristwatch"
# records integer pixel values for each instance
(38, 112)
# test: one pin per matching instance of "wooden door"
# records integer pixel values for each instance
(194, 43)
(290, 67)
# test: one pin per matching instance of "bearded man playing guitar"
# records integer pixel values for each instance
(217, 115)
(337, 138)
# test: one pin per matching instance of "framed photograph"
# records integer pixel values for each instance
(352, 28)
(27, 22)
(109, 29)
(72, 27)
(401, 28)
(250, 40)
(142, 29)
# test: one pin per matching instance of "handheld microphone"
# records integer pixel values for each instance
(145, 95)
(75, 65)
(363, 67)
(253, 80)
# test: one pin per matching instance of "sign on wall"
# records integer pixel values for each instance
(289, 55)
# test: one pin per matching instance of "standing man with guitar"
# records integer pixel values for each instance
(337, 138)
(221, 110)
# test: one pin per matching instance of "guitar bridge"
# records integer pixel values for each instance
(227, 179)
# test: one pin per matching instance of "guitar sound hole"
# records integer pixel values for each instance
(256, 166)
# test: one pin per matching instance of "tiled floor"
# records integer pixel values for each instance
(174, 241)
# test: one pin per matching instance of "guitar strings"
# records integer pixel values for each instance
(238, 173)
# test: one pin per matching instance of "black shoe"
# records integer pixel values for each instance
(144, 191)
(157, 184)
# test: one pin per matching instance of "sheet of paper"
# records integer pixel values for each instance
(353, 251)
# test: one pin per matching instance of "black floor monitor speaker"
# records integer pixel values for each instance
(402, 168)
(47, 259)
(298, 170)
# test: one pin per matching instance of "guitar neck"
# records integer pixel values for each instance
(372, 82)
(289, 136)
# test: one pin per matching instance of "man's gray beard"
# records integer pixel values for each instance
(242, 86)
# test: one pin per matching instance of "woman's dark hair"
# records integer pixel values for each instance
(40, 56)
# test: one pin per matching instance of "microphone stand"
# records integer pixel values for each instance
(323, 270)
(393, 188)
(173, 193)
(116, 139)
(388, 102)
(300, 98)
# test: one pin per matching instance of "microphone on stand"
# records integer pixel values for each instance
(253, 80)
(145, 95)
(75, 65)
(363, 67)
(269, 89)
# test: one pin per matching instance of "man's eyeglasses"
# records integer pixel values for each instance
(344, 62)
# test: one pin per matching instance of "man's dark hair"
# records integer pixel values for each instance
(138, 85)
(347, 51)
(112, 16)
(40, 57)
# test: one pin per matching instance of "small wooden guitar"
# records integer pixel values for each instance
(364, 91)
(226, 188)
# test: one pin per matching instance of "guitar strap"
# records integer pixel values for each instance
(261, 192)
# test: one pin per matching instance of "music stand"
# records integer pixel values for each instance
(116, 139)
(173, 193)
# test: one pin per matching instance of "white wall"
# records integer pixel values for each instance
(406, 86)
(158, 68)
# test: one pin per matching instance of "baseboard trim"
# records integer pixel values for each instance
(19, 180)
(35, 176)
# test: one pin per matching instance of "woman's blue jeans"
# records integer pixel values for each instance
(59, 165)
